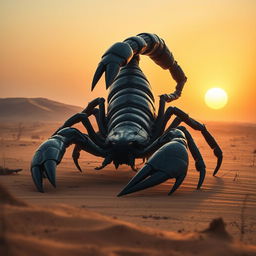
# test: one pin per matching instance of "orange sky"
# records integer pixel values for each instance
(50, 48)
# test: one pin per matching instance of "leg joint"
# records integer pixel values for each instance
(69, 132)
(170, 110)
(182, 128)
(181, 114)
(101, 100)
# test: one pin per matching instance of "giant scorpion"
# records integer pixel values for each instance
(131, 129)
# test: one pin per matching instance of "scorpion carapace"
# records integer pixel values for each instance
(131, 128)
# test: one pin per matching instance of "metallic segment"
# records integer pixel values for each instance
(131, 110)
(129, 117)
(111, 72)
(131, 101)
(130, 82)
(134, 91)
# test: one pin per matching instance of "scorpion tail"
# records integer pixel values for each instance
(112, 69)
(143, 179)
(111, 73)
(117, 56)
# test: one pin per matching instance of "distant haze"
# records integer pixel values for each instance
(35, 109)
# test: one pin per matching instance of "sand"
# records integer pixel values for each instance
(66, 230)
(139, 224)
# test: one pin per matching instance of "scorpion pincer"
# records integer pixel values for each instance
(131, 128)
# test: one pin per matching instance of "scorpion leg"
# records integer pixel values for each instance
(90, 110)
(199, 162)
(175, 123)
(162, 120)
(100, 118)
(83, 118)
(99, 114)
(75, 156)
(183, 117)
(208, 137)
(160, 113)
(50, 154)
(101, 124)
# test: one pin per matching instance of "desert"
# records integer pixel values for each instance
(167, 82)
(83, 216)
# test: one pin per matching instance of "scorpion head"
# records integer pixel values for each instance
(125, 141)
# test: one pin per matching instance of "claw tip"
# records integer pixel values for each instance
(121, 194)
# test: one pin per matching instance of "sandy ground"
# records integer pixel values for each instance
(231, 195)
(27, 229)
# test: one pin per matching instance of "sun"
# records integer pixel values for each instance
(216, 98)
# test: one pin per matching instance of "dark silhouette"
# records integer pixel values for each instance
(130, 129)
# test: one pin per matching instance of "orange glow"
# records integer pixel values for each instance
(52, 48)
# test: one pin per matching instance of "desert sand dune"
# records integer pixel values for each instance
(34, 109)
(67, 230)
(231, 195)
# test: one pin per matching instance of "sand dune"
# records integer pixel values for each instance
(35, 109)
(65, 230)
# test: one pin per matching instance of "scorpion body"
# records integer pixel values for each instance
(131, 128)
(130, 98)
(130, 107)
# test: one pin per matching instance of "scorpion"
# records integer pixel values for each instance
(131, 129)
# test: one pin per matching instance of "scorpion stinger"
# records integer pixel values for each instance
(116, 56)
(130, 127)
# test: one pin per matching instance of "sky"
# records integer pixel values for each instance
(51, 48)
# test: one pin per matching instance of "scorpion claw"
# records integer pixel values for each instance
(45, 160)
(141, 182)
(37, 176)
(157, 171)
(177, 183)
(141, 175)
(50, 170)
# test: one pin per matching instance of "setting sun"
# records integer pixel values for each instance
(216, 98)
